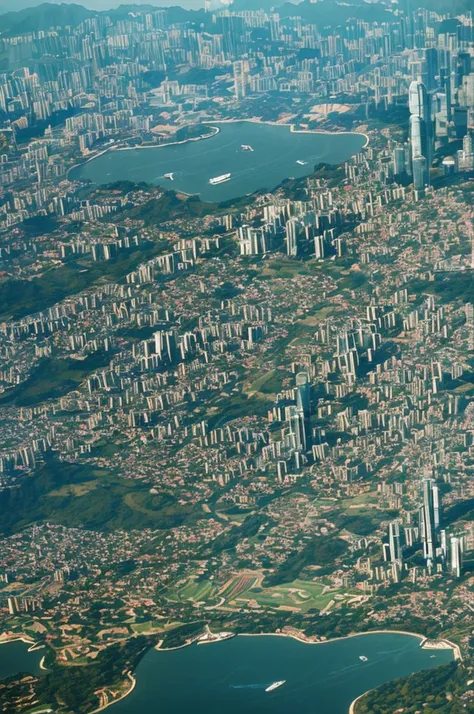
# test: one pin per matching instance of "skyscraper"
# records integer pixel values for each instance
(398, 160)
(445, 79)
(303, 403)
(240, 78)
(394, 541)
(430, 518)
(296, 424)
(431, 71)
(419, 172)
(421, 131)
(456, 551)
(292, 237)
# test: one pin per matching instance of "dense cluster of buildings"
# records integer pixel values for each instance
(301, 355)
(110, 80)
(440, 550)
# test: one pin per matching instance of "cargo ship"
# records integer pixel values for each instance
(275, 685)
(219, 179)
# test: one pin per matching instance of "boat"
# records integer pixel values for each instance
(301, 162)
(246, 147)
(169, 176)
(219, 179)
(275, 685)
(363, 658)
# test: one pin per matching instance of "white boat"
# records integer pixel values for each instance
(169, 176)
(275, 685)
(246, 147)
(301, 163)
(219, 179)
(363, 658)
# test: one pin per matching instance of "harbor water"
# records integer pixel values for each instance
(231, 676)
(278, 153)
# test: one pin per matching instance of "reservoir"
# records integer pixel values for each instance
(276, 151)
(14, 658)
(231, 676)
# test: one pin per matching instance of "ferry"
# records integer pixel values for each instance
(219, 179)
(169, 176)
(363, 658)
(301, 163)
(246, 147)
(275, 685)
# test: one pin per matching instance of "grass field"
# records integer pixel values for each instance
(361, 501)
(197, 591)
(300, 594)
(152, 625)
(201, 591)
(244, 590)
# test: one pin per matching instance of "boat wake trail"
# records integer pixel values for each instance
(248, 686)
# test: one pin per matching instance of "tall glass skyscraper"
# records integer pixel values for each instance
(421, 132)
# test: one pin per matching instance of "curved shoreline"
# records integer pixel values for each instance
(172, 143)
(296, 131)
(456, 649)
(212, 124)
(307, 641)
(122, 696)
(20, 638)
(353, 704)
(456, 655)
(299, 637)
(114, 147)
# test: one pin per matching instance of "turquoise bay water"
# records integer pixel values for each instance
(14, 658)
(230, 677)
(276, 151)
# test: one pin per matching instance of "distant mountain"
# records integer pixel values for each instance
(49, 14)
(443, 7)
(42, 17)
(17, 16)
(8, 6)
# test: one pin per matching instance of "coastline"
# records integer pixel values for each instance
(456, 653)
(19, 638)
(306, 641)
(451, 645)
(293, 130)
(170, 143)
(352, 707)
(296, 635)
(114, 147)
(212, 125)
(122, 696)
(300, 638)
